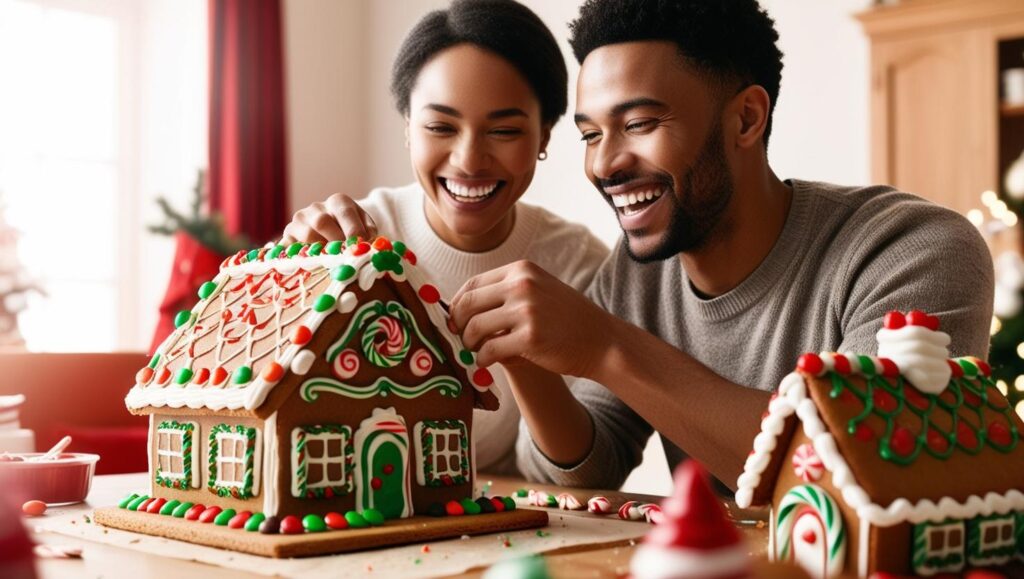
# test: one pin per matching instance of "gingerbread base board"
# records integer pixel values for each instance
(391, 533)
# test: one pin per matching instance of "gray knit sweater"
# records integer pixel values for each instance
(844, 258)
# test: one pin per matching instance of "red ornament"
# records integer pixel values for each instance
(382, 244)
(291, 525)
(957, 369)
(155, 506)
(482, 377)
(454, 509)
(193, 513)
(144, 375)
(388, 468)
(219, 376)
(841, 364)
(376, 483)
(429, 294)
(499, 505)
(273, 372)
(164, 377)
(915, 398)
(937, 441)
(336, 521)
(889, 368)
(884, 401)
(810, 363)
(238, 521)
(301, 335)
(410, 257)
(864, 433)
(999, 434)
(361, 248)
(209, 514)
(202, 377)
(917, 318)
(894, 320)
(902, 441)
(965, 436)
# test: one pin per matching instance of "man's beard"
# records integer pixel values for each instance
(706, 191)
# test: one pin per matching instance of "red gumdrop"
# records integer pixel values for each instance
(902, 441)
(937, 441)
(810, 363)
(499, 505)
(376, 483)
(382, 244)
(841, 364)
(429, 294)
(164, 377)
(219, 376)
(155, 506)
(932, 323)
(238, 521)
(209, 514)
(889, 368)
(957, 369)
(336, 521)
(917, 318)
(884, 401)
(983, 367)
(193, 513)
(454, 509)
(894, 320)
(965, 436)
(145, 505)
(410, 257)
(482, 377)
(999, 434)
(864, 433)
(292, 525)
(144, 375)
(361, 248)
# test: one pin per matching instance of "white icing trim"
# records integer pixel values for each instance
(271, 465)
(252, 395)
(417, 434)
(150, 451)
(656, 562)
(863, 539)
(792, 399)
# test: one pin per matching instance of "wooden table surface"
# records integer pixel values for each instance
(106, 561)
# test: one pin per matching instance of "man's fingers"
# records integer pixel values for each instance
(472, 303)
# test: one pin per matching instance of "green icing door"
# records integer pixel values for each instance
(382, 471)
(387, 478)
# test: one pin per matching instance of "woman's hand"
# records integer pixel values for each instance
(337, 218)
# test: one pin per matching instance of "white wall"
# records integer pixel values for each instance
(346, 136)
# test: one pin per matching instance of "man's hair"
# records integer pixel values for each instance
(730, 42)
(503, 27)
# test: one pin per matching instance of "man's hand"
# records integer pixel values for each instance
(337, 218)
(521, 312)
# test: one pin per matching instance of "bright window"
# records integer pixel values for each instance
(169, 453)
(231, 464)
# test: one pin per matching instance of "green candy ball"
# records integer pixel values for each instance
(374, 517)
(294, 249)
(510, 503)
(222, 518)
(343, 272)
(182, 318)
(253, 524)
(127, 501)
(334, 247)
(243, 375)
(134, 505)
(316, 248)
(180, 510)
(169, 507)
(355, 520)
(275, 252)
(314, 524)
(470, 506)
(252, 255)
(183, 376)
(206, 290)
(324, 303)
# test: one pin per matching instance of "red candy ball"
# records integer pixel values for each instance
(917, 318)
(482, 377)
(936, 441)
(292, 525)
(894, 320)
(864, 433)
(499, 505)
(966, 436)
(238, 521)
(841, 364)
(429, 294)
(810, 363)
(889, 368)
(999, 434)
(902, 441)
(983, 367)
(376, 483)
(193, 513)
(336, 521)
(209, 514)
(454, 509)
(155, 506)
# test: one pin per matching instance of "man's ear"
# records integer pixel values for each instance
(749, 109)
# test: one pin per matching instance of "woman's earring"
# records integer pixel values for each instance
(543, 155)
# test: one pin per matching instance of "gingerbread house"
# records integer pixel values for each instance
(908, 463)
(313, 379)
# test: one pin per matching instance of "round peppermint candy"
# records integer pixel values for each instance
(630, 511)
(599, 505)
(807, 464)
(568, 502)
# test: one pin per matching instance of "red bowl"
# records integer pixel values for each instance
(63, 480)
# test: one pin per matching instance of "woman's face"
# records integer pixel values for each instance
(474, 131)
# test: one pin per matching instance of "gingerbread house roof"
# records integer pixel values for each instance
(257, 321)
(895, 452)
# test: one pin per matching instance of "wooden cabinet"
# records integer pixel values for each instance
(937, 125)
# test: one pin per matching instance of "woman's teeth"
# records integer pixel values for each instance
(470, 194)
(630, 202)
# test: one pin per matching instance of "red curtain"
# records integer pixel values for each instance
(247, 123)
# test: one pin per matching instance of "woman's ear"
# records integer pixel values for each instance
(750, 108)
(406, 131)
(545, 138)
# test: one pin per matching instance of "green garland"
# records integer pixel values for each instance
(302, 462)
(446, 385)
(427, 446)
(185, 481)
(246, 491)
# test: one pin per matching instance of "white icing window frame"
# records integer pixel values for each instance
(946, 550)
(999, 524)
(453, 454)
(170, 454)
(238, 461)
(449, 454)
(327, 459)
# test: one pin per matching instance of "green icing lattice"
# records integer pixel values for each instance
(185, 482)
(427, 446)
(301, 462)
(246, 490)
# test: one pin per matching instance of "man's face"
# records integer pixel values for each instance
(655, 146)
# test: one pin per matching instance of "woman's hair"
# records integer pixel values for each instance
(504, 27)
(729, 41)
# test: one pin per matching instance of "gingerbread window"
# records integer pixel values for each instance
(944, 540)
(442, 452)
(996, 533)
(234, 461)
(321, 461)
(174, 456)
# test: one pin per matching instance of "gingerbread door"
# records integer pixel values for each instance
(382, 464)
(810, 531)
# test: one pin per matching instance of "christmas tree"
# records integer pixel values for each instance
(15, 285)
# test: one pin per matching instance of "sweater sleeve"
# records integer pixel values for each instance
(620, 434)
(917, 256)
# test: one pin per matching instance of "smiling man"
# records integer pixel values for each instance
(725, 273)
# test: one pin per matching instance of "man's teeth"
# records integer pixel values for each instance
(476, 193)
(627, 199)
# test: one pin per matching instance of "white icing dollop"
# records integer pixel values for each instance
(920, 353)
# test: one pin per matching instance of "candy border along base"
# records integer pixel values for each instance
(391, 533)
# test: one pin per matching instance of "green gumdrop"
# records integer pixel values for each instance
(127, 501)
(182, 318)
(510, 503)
(314, 524)
(275, 251)
(206, 290)
(470, 506)
(355, 520)
(169, 507)
(252, 255)
(134, 505)
(223, 517)
(324, 303)
(180, 510)
(316, 248)
(183, 376)
(253, 524)
(374, 517)
(352, 240)
(243, 375)
(294, 249)
(334, 247)
(467, 358)
(398, 248)
(343, 272)
(154, 361)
